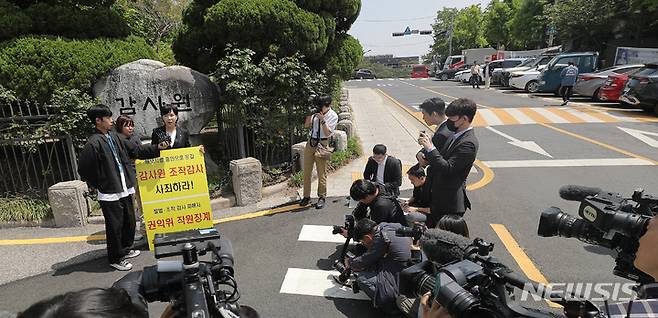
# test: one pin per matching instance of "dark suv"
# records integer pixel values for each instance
(642, 88)
(364, 74)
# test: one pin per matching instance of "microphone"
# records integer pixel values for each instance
(577, 193)
(443, 246)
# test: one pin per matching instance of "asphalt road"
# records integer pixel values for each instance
(579, 150)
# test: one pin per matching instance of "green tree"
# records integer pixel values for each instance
(442, 27)
(314, 29)
(497, 18)
(468, 31)
(529, 25)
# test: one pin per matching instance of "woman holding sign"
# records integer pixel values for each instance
(176, 136)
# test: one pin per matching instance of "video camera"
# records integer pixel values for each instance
(415, 231)
(470, 283)
(348, 226)
(608, 220)
(194, 288)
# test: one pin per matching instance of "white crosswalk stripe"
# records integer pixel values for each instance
(490, 117)
(520, 116)
(584, 116)
(550, 116)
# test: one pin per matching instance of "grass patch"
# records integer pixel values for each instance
(296, 180)
(21, 209)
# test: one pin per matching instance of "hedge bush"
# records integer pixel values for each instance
(34, 67)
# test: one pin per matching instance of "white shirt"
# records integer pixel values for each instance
(380, 170)
(331, 118)
(116, 196)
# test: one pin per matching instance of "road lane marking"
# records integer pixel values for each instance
(582, 115)
(313, 282)
(552, 117)
(319, 233)
(520, 116)
(600, 115)
(534, 115)
(568, 163)
(489, 117)
(442, 94)
(487, 174)
(505, 116)
(521, 258)
(642, 136)
(566, 115)
(598, 143)
(54, 240)
(527, 145)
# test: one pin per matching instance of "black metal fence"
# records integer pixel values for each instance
(30, 165)
(270, 146)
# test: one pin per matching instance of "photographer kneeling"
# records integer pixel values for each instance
(378, 269)
(322, 123)
(371, 195)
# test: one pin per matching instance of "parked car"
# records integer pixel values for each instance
(549, 78)
(465, 75)
(497, 75)
(589, 84)
(527, 80)
(364, 73)
(527, 65)
(420, 71)
(447, 74)
(612, 87)
(641, 90)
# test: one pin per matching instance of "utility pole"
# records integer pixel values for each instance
(452, 30)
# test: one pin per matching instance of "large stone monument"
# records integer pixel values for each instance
(140, 88)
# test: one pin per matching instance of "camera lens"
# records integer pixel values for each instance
(554, 222)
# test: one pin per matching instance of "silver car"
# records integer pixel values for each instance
(589, 84)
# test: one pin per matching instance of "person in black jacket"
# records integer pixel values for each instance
(372, 196)
(104, 165)
(177, 136)
(451, 165)
(433, 110)
(384, 169)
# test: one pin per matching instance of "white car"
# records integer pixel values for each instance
(527, 80)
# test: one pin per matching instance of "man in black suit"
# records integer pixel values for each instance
(451, 165)
(433, 110)
(384, 169)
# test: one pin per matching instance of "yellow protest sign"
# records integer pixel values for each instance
(174, 192)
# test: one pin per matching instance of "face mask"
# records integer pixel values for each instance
(451, 125)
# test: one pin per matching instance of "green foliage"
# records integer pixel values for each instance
(296, 180)
(314, 29)
(271, 94)
(35, 67)
(497, 23)
(21, 209)
(155, 21)
(69, 118)
(468, 28)
(13, 22)
(344, 55)
(341, 158)
(60, 19)
(529, 25)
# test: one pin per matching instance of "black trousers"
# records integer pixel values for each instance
(566, 92)
(475, 81)
(119, 227)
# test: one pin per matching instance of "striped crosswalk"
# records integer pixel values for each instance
(552, 115)
(313, 281)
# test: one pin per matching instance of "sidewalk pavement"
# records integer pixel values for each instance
(376, 118)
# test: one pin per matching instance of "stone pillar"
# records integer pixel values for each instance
(345, 115)
(297, 151)
(346, 126)
(340, 139)
(344, 109)
(247, 180)
(68, 203)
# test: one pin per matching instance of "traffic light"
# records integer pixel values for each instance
(425, 32)
(398, 33)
